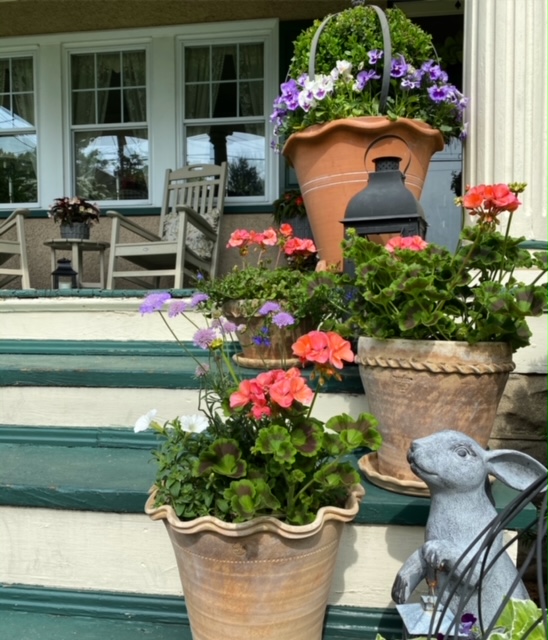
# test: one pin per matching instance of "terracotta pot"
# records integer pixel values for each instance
(332, 162)
(417, 387)
(278, 353)
(257, 579)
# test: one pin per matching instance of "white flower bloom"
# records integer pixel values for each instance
(143, 423)
(194, 424)
(344, 68)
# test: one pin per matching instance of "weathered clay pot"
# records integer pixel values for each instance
(417, 387)
(278, 353)
(257, 579)
(333, 161)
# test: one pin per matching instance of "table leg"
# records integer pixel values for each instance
(53, 258)
(76, 255)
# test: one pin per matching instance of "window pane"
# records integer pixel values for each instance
(197, 64)
(251, 99)
(197, 101)
(5, 82)
(251, 61)
(134, 68)
(224, 62)
(82, 71)
(112, 165)
(109, 106)
(22, 76)
(225, 100)
(108, 70)
(135, 105)
(23, 109)
(18, 181)
(83, 107)
(242, 145)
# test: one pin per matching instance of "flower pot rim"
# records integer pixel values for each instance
(378, 123)
(262, 524)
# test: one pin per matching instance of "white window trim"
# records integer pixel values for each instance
(164, 99)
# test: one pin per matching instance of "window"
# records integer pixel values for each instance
(224, 112)
(109, 125)
(18, 182)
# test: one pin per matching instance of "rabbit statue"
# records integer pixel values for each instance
(455, 468)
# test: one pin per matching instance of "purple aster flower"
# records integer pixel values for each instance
(228, 327)
(269, 307)
(154, 302)
(197, 299)
(438, 94)
(399, 67)
(283, 319)
(177, 307)
(374, 56)
(204, 337)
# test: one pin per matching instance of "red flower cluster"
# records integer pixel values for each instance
(413, 243)
(279, 389)
(487, 201)
(291, 246)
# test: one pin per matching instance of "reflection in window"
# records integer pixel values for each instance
(109, 122)
(224, 112)
(18, 182)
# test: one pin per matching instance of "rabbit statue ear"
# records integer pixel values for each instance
(517, 470)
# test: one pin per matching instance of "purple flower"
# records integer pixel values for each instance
(283, 319)
(363, 78)
(438, 94)
(201, 370)
(198, 298)
(269, 307)
(399, 67)
(467, 621)
(154, 302)
(204, 337)
(177, 307)
(374, 56)
(228, 327)
(262, 338)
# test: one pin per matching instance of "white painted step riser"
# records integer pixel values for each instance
(120, 319)
(130, 553)
(113, 407)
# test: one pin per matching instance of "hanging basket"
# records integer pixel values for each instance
(333, 160)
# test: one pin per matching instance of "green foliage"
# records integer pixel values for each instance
(472, 295)
(516, 621)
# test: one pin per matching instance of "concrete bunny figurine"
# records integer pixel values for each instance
(455, 468)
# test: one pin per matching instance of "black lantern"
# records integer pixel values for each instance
(385, 207)
(64, 277)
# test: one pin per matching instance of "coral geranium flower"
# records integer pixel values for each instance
(339, 350)
(312, 347)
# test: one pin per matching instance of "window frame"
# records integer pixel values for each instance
(11, 54)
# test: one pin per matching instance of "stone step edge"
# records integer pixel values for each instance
(118, 364)
(115, 479)
(340, 622)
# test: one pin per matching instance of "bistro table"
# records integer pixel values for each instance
(78, 247)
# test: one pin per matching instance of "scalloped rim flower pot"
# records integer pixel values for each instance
(257, 579)
(333, 160)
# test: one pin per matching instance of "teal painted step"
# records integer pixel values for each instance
(133, 364)
(28, 613)
(116, 479)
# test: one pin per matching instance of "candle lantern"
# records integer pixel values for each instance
(64, 277)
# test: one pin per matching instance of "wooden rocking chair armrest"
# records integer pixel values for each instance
(198, 221)
(134, 227)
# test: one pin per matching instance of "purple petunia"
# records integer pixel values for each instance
(363, 78)
(374, 56)
(399, 67)
(283, 319)
(204, 337)
(154, 302)
(439, 93)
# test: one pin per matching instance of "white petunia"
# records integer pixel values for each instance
(194, 424)
(143, 423)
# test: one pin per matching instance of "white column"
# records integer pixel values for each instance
(505, 75)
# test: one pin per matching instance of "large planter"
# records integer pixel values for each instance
(261, 350)
(333, 160)
(417, 387)
(257, 579)
(75, 231)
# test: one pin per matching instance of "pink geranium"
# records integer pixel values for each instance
(488, 201)
(323, 348)
(413, 243)
(299, 246)
(238, 239)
